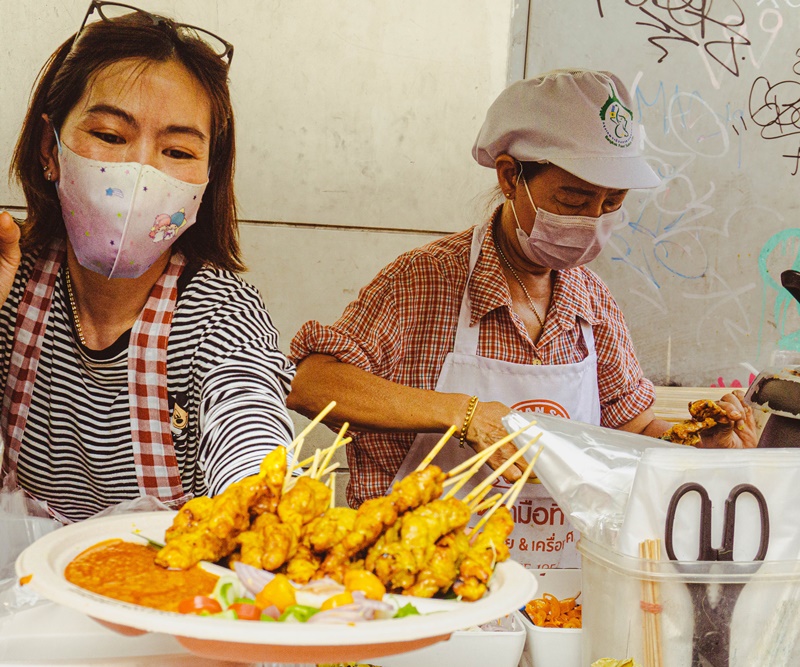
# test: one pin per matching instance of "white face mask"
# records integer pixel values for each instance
(122, 216)
(564, 241)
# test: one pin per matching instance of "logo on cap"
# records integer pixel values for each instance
(617, 122)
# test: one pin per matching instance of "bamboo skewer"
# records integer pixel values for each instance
(312, 472)
(336, 444)
(499, 471)
(436, 448)
(313, 423)
(486, 452)
(486, 504)
(329, 455)
(651, 608)
(329, 470)
(332, 487)
(479, 498)
(478, 462)
(510, 496)
(520, 483)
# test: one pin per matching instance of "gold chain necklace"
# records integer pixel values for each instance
(521, 284)
(74, 307)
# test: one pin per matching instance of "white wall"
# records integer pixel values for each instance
(353, 117)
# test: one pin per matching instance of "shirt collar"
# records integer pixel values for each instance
(488, 290)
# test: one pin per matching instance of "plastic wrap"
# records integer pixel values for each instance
(589, 470)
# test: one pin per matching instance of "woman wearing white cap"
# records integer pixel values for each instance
(501, 315)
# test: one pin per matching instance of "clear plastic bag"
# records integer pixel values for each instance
(589, 470)
(22, 522)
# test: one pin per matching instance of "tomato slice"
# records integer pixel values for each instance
(245, 611)
(198, 604)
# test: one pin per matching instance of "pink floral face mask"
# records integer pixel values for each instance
(564, 241)
(122, 216)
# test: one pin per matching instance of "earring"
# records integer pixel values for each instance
(46, 172)
(508, 195)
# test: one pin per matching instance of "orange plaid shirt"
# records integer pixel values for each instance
(403, 324)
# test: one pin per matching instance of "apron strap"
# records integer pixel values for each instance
(466, 335)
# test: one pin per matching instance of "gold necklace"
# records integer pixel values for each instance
(521, 284)
(74, 309)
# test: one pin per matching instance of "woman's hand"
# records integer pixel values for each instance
(485, 429)
(737, 430)
(10, 254)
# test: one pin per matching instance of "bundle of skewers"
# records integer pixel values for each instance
(414, 539)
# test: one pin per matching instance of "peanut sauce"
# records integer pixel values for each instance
(127, 571)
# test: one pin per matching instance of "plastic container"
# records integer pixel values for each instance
(474, 647)
(553, 647)
(18, 532)
(764, 626)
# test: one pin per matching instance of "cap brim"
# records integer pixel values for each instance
(623, 173)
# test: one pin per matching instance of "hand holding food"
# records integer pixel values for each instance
(736, 428)
(728, 423)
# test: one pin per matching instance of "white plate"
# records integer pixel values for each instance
(510, 588)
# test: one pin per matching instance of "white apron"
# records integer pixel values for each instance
(542, 536)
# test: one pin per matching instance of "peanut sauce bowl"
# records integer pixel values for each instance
(46, 559)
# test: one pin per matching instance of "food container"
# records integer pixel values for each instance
(620, 592)
(474, 647)
(553, 647)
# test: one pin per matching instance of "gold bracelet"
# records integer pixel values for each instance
(462, 437)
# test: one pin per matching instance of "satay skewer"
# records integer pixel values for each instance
(332, 487)
(477, 500)
(506, 464)
(510, 496)
(486, 453)
(330, 450)
(329, 470)
(336, 444)
(500, 470)
(486, 504)
(312, 424)
(312, 472)
(436, 448)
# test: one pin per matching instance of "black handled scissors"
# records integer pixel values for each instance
(711, 638)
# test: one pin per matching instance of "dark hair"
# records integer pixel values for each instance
(214, 238)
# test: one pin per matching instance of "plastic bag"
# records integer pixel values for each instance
(22, 522)
(589, 470)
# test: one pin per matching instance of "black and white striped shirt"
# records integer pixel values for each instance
(224, 369)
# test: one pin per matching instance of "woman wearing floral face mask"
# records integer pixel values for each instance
(501, 315)
(136, 361)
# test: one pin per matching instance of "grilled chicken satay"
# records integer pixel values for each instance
(329, 529)
(302, 566)
(269, 542)
(377, 514)
(214, 535)
(488, 549)
(396, 564)
(189, 516)
(441, 570)
(303, 503)
(274, 539)
(418, 488)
